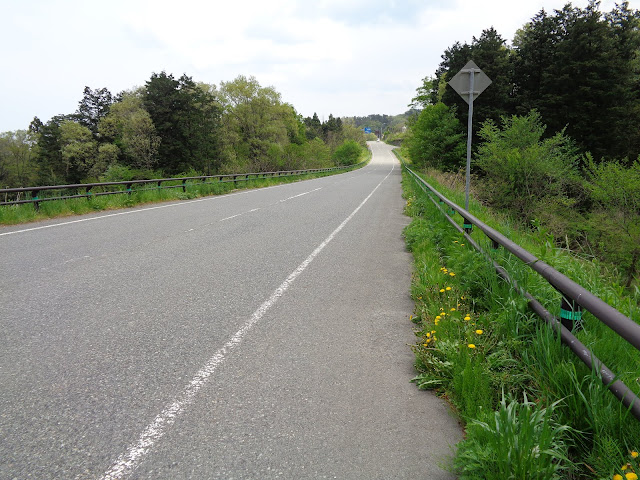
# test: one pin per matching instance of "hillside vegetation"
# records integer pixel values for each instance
(557, 133)
(172, 126)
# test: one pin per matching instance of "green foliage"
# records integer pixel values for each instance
(258, 125)
(615, 223)
(436, 139)
(520, 441)
(129, 126)
(348, 153)
(122, 173)
(524, 173)
(93, 107)
(17, 165)
(578, 67)
(186, 118)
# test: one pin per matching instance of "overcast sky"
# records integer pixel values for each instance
(345, 57)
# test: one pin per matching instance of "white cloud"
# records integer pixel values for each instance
(346, 57)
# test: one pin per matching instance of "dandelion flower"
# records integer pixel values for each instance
(479, 332)
(624, 467)
(634, 454)
(452, 274)
(448, 288)
(455, 241)
(471, 345)
(467, 318)
(617, 476)
(453, 309)
(631, 476)
(442, 290)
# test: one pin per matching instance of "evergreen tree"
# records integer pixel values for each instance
(94, 106)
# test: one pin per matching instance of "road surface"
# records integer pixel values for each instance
(261, 334)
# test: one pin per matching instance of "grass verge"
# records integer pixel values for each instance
(532, 410)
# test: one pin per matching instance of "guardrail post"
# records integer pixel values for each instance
(184, 186)
(34, 196)
(570, 313)
(467, 225)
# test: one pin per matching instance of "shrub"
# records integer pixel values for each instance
(436, 139)
(615, 191)
(348, 153)
(523, 173)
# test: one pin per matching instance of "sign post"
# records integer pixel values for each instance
(469, 83)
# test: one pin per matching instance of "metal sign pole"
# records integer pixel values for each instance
(469, 126)
(478, 81)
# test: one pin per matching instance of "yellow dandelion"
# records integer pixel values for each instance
(467, 318)
(479, 332)
(631, 476)
(453, 309)
(442, 290)
(428, 335)
(448, 288)
(624, 467)
(617, 476)
(461, 298)
(634, 454)
(471, 345)
(462, 244)
(455, 241)
(452, 274)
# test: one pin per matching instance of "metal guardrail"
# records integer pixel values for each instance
(574, 297)
(129, 184)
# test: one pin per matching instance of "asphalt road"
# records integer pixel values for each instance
(261, 334)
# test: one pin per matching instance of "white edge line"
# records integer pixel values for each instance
(129, 461)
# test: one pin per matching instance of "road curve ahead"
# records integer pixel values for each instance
(261, 334)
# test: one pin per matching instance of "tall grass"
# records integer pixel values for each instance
(491, 345)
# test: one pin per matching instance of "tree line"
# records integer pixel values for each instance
(557, 133)
(173, 126)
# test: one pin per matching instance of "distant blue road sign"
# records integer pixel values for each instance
(367, 130)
